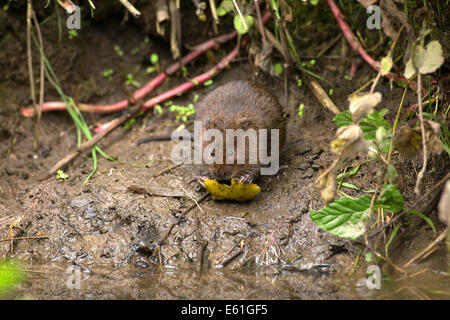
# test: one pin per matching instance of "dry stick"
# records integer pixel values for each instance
(240, 15)
(191, 197)
(175, 28)
(24, 238)
(427, 248)
(176, 165)
(422, 129)
(42, 82)
(206, 196)
(327, 171)
(90, 143)
(130, 8)
(323, 98)
(260, 23)
(212, 6)
(30, 57)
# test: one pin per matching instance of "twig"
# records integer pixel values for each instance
(327, 171)
(135, 12)
(191, 197)
(390, 262)
(427, 248)
(240, 14)
(176, 165)
(212, 6)
(30, 57)
(422, 129)
(23, 238)
(260, 23)
(323, 98)
(42, 82)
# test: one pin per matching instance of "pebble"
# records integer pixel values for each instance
(316, 166)
(79, 203)
(303, 151)
(308, 174)
(304, 166)
(141, 264)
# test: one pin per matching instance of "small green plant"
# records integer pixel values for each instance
(6, 6)
(135, 51)
(278, 68)
(72, 34)
(154, 59)
(158, 109)
(108, 74)
(118, 50)
(182, 112)
(300, 110)
(11, 275)
(131, 82)
(242, 23)
(60, 175)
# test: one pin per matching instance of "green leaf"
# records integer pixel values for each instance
(386, 65)
(391, 199)
(369, 257)
(392, 174)
(349, 185)
(10, 275)
(345, 217)
(225, 7)
(386, 248)
(372, 122)
(278, 68)
(428, 220)
(343, 119)
(410, 70)
(430, 59)
(348, 174)
(239, 25)
(154, 58)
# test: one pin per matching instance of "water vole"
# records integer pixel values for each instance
(240, 105)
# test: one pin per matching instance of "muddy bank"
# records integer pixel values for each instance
(129, 245)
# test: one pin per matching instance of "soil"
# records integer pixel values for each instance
(112, 237)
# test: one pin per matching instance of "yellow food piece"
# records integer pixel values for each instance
(236, 191)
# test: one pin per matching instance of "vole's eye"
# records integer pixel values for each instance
(213, 153)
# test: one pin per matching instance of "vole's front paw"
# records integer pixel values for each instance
(201, 180)
(246, 178)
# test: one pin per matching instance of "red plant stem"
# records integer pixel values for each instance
(192, 83)
(187, 85)
(354, 43)
(145, 90)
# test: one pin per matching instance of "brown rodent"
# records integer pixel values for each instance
(240, 105)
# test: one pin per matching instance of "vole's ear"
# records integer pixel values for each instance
(245, 123)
